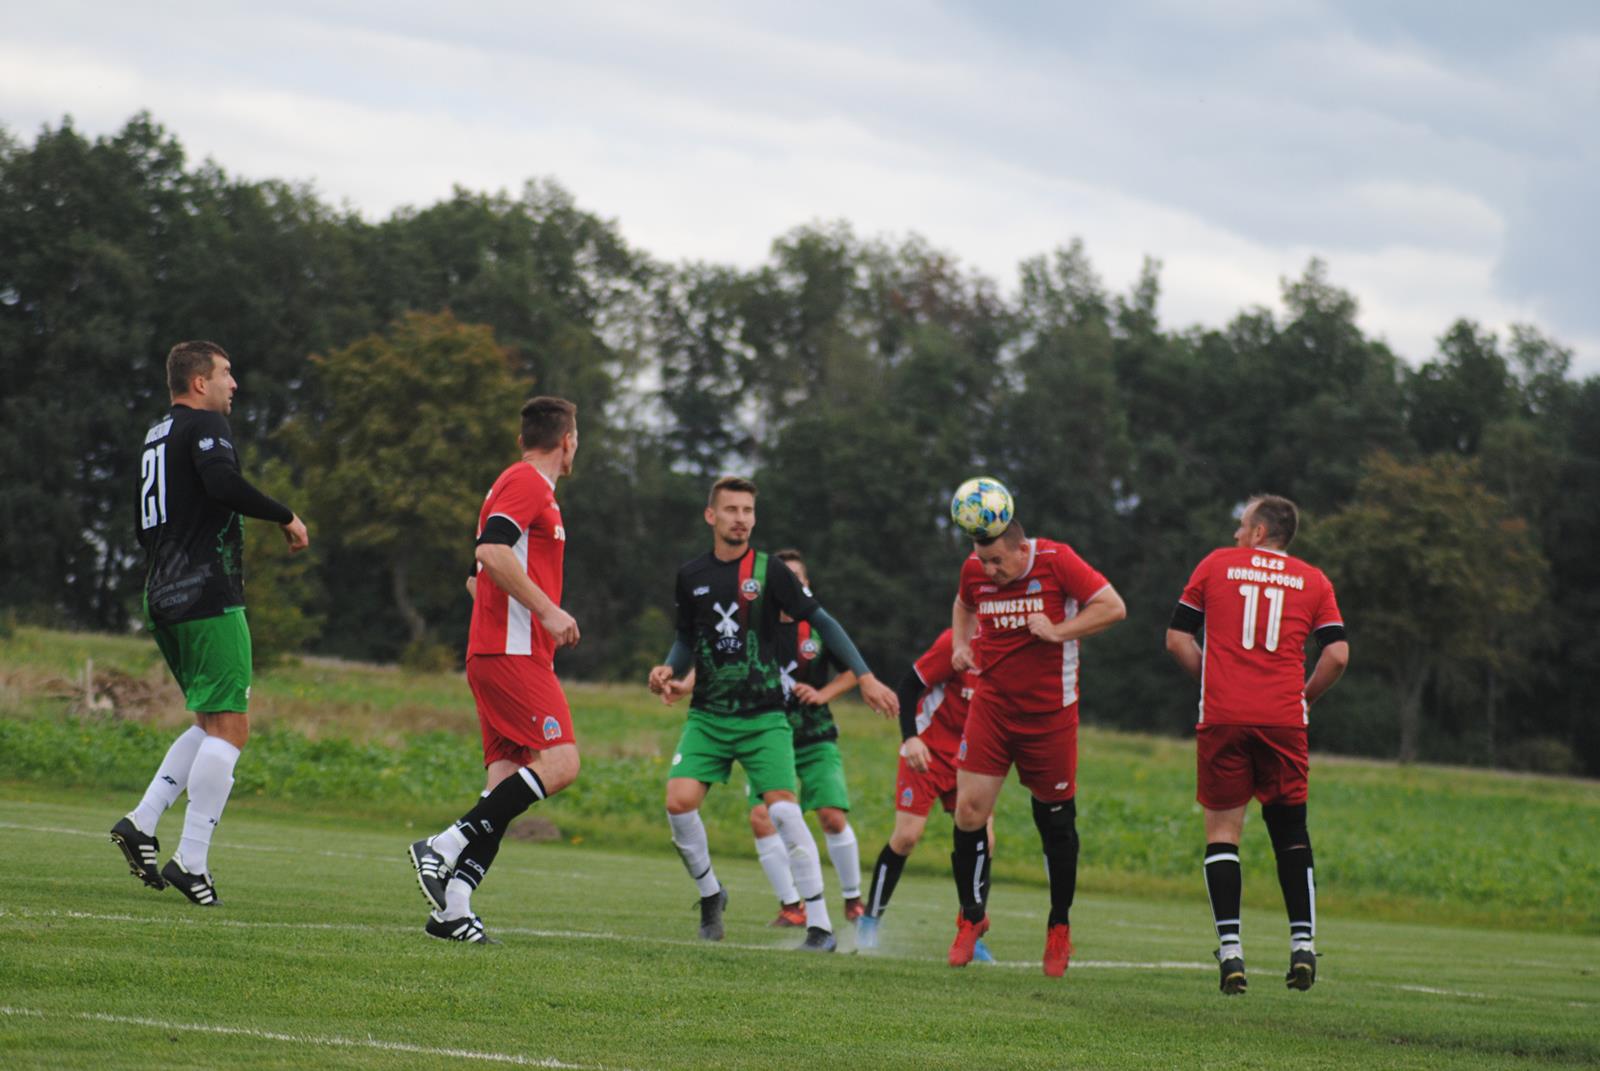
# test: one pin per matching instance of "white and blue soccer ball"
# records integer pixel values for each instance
(982, 507)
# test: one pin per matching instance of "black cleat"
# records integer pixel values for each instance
(818, 940)
(199, 888)
(433, 874)
(1302, 969)
(711, 908)
(468, 929)
(1233, 979)
(141, 850)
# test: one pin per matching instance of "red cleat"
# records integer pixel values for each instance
(854, 909)
(1057, 950)
(967, 934)
(790, 915)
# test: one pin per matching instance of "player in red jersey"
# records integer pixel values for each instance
(529, 751)
(933, 713)
(1257, 606)
(1022, 607)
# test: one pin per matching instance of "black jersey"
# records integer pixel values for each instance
(731, 608)
(805, 659)
(194, 545)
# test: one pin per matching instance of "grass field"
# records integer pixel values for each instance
(1460, 910)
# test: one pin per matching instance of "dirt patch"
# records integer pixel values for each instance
(535, 829)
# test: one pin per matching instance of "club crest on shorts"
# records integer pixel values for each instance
(750, 589)
(552, 727)
(961, 752)
(905, 798)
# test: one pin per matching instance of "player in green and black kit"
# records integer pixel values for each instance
(813, 677)
(191, 498)
(727, 632)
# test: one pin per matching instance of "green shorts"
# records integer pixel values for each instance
(821, 771)
(210, 657)
(762, 744)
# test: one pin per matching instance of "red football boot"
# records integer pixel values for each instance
(1057, 950)
(790, 915)
(967, 934)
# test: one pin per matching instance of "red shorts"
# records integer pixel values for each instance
(1043, 746)
(521, 707)
(915, 792)
(1235, 762)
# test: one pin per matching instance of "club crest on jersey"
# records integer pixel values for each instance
(207, 443)
(808, 650)
(905, 798)
(1034, 587)
(750, 589)
(552, 727)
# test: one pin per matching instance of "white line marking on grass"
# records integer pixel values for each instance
(327, 1041)
(1435, 991)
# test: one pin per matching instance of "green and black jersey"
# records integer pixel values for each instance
(190, 499)
(731, 609)
(805, 659)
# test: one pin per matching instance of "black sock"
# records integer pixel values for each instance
(1058, 832)
(495, 811)
(1299, 892)
(988, 861)
(1225, 886)
(885, 875)
(967, 864)
(473, 866)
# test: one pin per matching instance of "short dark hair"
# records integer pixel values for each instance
(730, 483)
(1278, 514)
(1012, 535)
(189, 359)
(545, 420)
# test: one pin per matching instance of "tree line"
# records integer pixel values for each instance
(1455, 504)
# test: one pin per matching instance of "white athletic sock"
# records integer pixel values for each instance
(689, 837)
(210, 781)
(169, 781)
(803, 861)
(846, 858)
(449, 844)
(775, 861)
(457, 900)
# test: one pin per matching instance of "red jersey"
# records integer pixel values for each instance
(1018, 671)
(944, 704)
(501, 624)
(1260, 605)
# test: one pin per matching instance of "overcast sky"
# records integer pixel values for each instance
(1444, 158)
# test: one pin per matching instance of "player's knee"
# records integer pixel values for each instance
(833, 820)
(1286, 825)
(682, 799)
(971, 816)
(1057, 823)
(902, 842)
(557, 768)
(761, 822)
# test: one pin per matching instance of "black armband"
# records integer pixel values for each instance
(909, 691)
(1329, 634)
(501, 530)
(1186, 618)
(227, 485)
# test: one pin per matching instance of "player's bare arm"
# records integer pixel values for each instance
(294, 533)
(1102, 611)
(500, 562)
(1185, 651)
(816, 697)
(1330, 667)
(963, 626)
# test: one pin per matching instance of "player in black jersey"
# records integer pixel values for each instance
(813, 676)
(191, 498)
(729, 601)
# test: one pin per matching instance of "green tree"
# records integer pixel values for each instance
(415, 425)
(1433, 572)
(283, 589)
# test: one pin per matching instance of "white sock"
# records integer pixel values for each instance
(449, 844)
(457, 900)
(846, 858)
(775, 861)
(689, 837)
(803, 861)
(169, 781)
(210, 781)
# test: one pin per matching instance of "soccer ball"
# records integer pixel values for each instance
(982, 507)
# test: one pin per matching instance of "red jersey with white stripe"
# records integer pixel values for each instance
(943, 707)
(1018, 671)
(1260, 605)
(501, 624)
